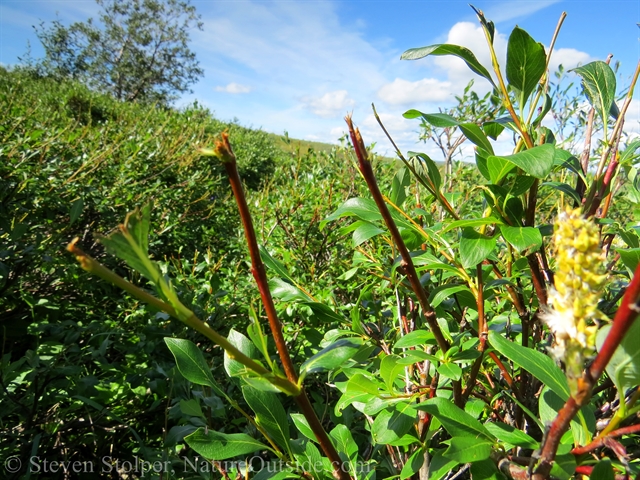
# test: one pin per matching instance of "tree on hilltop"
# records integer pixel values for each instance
(138, 51)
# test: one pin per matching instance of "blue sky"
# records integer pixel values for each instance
(300, 66)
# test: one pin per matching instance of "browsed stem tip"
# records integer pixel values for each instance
(72, 246)
(356, 139)
(222, 149)
(83, 258)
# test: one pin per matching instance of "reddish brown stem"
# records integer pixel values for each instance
(407, 262)
(600, 442)
(503, 370)
(223, 148)
(259, 271)
(622, 322)
(537, 279)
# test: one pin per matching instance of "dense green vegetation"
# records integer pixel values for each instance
(463, 329)
(85, 372)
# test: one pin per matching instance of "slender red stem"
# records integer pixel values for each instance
(224, 151)
(407, 262)
(600, 442)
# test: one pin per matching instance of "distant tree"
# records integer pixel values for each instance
(138, 51)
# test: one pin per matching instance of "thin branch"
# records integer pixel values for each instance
(407, 262)
(225, 153)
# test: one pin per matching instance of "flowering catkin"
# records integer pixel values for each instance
(578, 281)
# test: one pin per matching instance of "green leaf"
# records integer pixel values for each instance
(492, 129)
(548, 103)
(393, 423)
(285, 291)
(482, 159)
(415, 338)
(76, 211)
(521, 185)
(524, 239)
(361, 208)
(455, 420)
(564, 188)
(564, 465)
(303, 426)
(444, 293)
(512, 436)
(526, 62)
(420, 161)
(361, 383)
(485, 470)
(375, 404)
(257, 336)
(242, 343)
(599, 84)
(308, 457)
(131, 243)
(190, 361)
(401, 180)
(413, 465)
(624, 366)
(323, 312)
(177, 433)
(497, 168)
(468, 449)
(471, 222)
(390, 369)
(364, 232)
(474, 247)
(549, 404)
(476, 136)
(536, 161)
(438, 120)
(359, 398)
(603, 470)
(330, 357)
(270, 414)
(345, 444)
(447, 49)
(274, 264)
(450, 370)
(630, 257)
(538, 364)
(221, 446)
(191, 408)
(440, 466)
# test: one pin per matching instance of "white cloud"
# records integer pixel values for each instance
(404, 92)
(471, 36)
(233, 87)
(568, 58)
(331, 104)
(337, 132)
(288, 42)
(632, 118)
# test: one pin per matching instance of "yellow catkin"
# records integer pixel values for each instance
(578, 281)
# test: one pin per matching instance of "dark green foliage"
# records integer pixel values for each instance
(72, 162)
